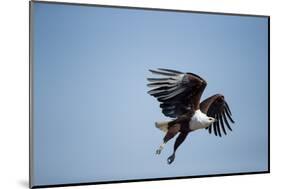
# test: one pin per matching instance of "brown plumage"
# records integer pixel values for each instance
(179, 95)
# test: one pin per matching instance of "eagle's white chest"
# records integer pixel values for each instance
(198, 121)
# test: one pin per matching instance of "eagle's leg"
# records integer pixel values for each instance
(158, 151)
(172, 131)
(178, 142)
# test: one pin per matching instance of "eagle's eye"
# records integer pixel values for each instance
(210, 119)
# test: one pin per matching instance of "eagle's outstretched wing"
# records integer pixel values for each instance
(216, 107)
(176, 91)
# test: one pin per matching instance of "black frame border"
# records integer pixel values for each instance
(130, 180)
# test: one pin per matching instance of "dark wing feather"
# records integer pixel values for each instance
(218, 125)
(216, 107)
(215, 128)
(176, 91)
(222, 124)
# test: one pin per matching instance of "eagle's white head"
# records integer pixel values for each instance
(209, 121)
(200, 120)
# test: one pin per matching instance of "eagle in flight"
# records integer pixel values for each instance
(179, 96)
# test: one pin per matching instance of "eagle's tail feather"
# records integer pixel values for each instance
(162, 125)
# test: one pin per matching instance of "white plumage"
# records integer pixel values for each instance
(200, 120)
(162, 125)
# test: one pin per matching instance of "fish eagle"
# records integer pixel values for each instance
(179, 96)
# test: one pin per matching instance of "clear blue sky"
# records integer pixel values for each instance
(93, 118)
